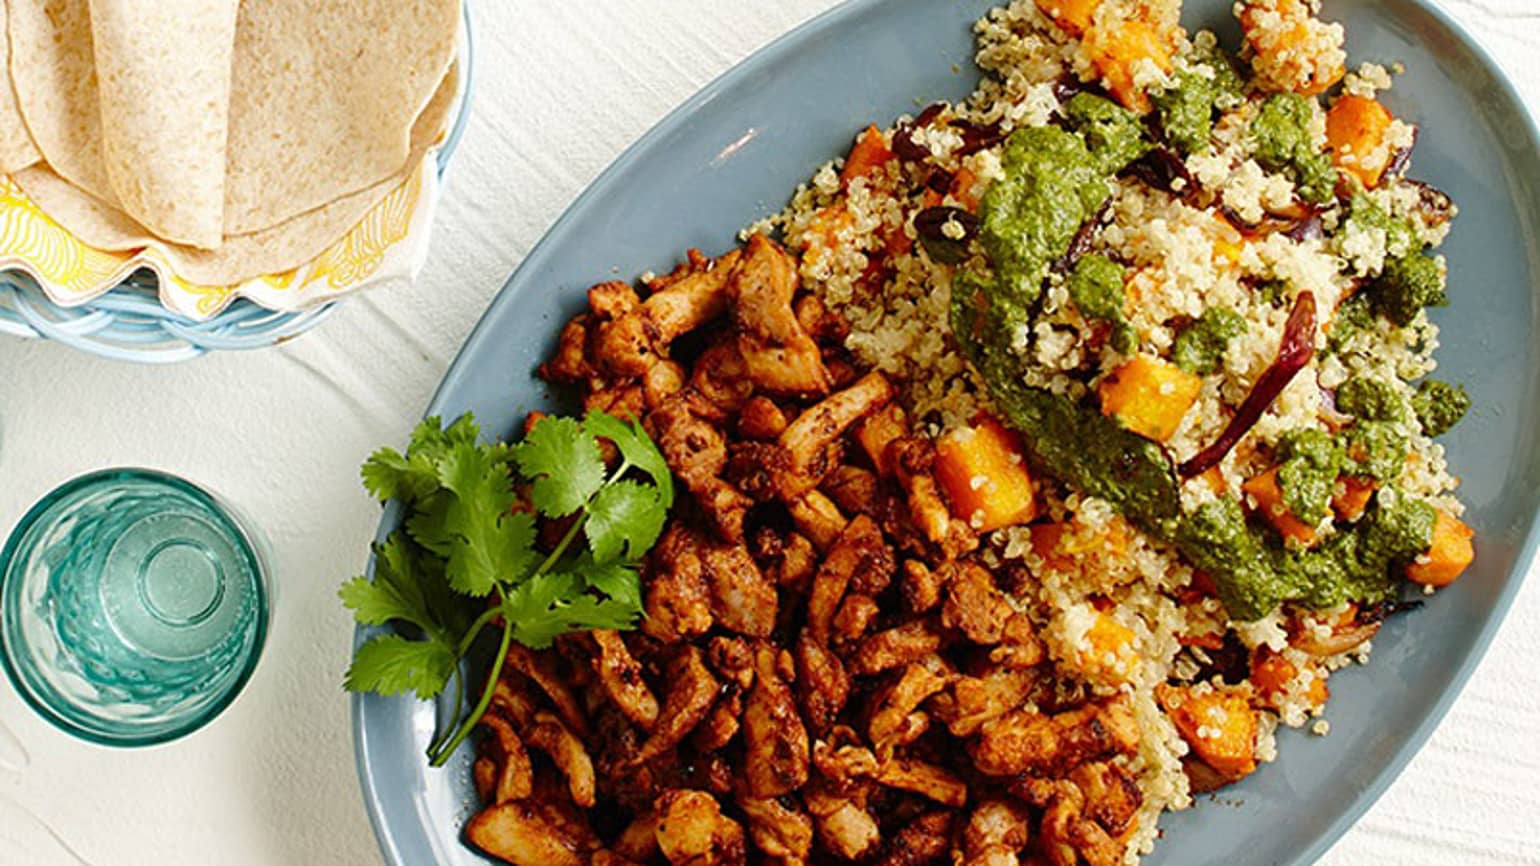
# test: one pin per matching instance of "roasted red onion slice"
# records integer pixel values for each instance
(1294, 352)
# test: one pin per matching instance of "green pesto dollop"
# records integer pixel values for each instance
(1113, 134)
(1365, 215)
(1051, 185)
(1187, 109)
(1283, 143)
(1371, 399)
(1096, 288)
(1375, 449)
(1200, 346)
(1357, 565)
(1216, 539)
(1406, 286)
(1309, 463)
(1354, 316)
(1439, 406)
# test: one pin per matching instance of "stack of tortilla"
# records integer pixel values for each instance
(237, 137)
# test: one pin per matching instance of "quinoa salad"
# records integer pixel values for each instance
(1040, 460)
(1195, 282)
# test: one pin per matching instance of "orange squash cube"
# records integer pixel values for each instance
(1355, 131)
(1118, 51)
(1351, 497)
(1220, 726)
(1267, 493)
(1072, 16)
(982, 469)
(1449, 555)
(1149, 396)
(1271, 675)
(1108, 649)
(870, 153)
(878, 431)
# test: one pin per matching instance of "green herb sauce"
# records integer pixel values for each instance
(1282, 133)
(1200, 347)
(1371, 399)
(1114, 135)
(1187, 109)
(1096, 288)
(1309, 463)
(1439, 406)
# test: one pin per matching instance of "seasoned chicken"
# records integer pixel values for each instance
(722, 722)
(781, 356)
(996, 832)
(890, 719)
(782, 833)
(678, 598)
(550, 735)
(621, 676)
(859, 546)
(696, 452)
(691, 691)
(692, 831)
(817, 517)
(973, 700)
(843, 826)
(1027, 741)
(530, 832)
(920, 586)
(775, 759)
(761, 419)
(1112, 797)
(541, 668)
(742, 599)
(927, 780)
(569, 366)
(690, 299)
(896, 647)
(813, 438)
(974, 606)
(511, 776)
(926, 839)
(823, 686)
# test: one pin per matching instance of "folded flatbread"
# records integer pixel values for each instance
(272, 250)
(203, 121)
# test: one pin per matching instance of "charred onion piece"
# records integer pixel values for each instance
(1434, 204)
(976, 137)
(904, 144)
(1161, 168)
(1307, 229)
(1403, 156)
(928, 225)
(1080, 244)
(1294, 352)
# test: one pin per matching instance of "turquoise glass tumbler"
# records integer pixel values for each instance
(133, 607)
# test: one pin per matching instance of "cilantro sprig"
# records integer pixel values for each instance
(471, 540)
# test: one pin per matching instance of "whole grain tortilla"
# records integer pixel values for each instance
(16, 148)
(163, 81)
(273, 250)
(319, 103)
(53, 72)
(324, 98)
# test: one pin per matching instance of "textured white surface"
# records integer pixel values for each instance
(282, 433)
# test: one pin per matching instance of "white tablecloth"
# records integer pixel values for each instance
(564, 86)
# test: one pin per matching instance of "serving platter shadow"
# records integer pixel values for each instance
(734, 152)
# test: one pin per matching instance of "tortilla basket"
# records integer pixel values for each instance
(129, 323)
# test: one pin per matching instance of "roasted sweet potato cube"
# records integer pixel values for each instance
(1264, 489)
(982, 470)
(1119, 50)
(1219, 725)
(1272, 674)
(1451, 552)
(1072, 16)
(869, 153)
(1351, 497)
(1355, 133)
(1149, 396)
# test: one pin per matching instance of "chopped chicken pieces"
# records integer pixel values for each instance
(692, 831)
(829, 670)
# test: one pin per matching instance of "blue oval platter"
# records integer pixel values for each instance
(735, 151)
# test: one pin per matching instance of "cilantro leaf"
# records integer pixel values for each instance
(549, 605)
(470, 522)
(564, 463)
(624, 519)
(391, 664)
(395, 593)
(390, 475)
(637, 449)
(618, 580)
